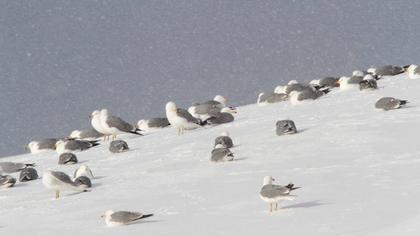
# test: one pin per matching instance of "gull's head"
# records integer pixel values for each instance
(32, 145)
(292, 82)
(59, 143)
(259, 97)
(84, 170)
(221, 99)
(75, 134)
(104, 112)
(314, 82)
(268, 180)
(170, 107)
(229, 110)
(219, 146)
(224, 133)
(411, 68)
(358, 73)
(280, 89)
(368, 77)
(141, 123)
(94, 114)
(371, 71)
(107, 214)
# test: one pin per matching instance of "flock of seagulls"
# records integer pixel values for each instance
(213, 112)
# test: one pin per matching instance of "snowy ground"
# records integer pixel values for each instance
(358, 168)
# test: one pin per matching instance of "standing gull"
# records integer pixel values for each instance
(181, 118)
(115, 125)
(271, 193)
(95, 120)
(309, 93)
(119, 218)
(12, 167)
(59, 181)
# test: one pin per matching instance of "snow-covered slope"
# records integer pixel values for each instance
(358, 168)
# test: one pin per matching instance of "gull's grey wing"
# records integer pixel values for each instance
(77, 145)
(272, 191)
(204, 109)
(63, 177)
(11, 167)
(222, 118)
(125, 216)
(119, 123)
(387, 103)
(90, 133)
(47, 143)
(294, 87)
(158, 122)
(186, 115)
(226, 141)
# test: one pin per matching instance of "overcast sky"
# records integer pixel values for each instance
(60, 60)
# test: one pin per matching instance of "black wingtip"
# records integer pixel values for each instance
(146, 216)
(403, 102)
(30, 164)
(136, 132)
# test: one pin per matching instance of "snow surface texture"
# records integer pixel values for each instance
(358, 168)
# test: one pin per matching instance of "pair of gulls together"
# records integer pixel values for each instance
(221, 152)
(293, 91)
(61, 145)
(59, 181)
(199, 114)
(109, 125)
(7, 181)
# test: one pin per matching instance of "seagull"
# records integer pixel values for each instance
(95, 120)
(224, 116)
(271, 193)
(368, 82)
(83, 181)
(293, 85)
(28, 174)
(118, 146)
(181, 118)
(7, 181)
(83, 170)
(12, 167)
(327, 82)
(271, 97)
(221, 154)
(90, 134)
(115, 125)
(413, 71)
(60, 181)
(42, 145)
(67, 158)
(386, 70)
(119, 218)
(218, 101)
(389, 103)
(309, 93)
(153, 123)
(224, 140)
(285, 127)
(63, 146)
(204, 111)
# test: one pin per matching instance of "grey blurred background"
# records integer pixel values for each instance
(59, 60)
